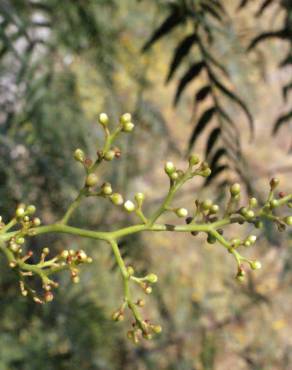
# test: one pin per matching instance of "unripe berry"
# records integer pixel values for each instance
(235, 189)
(125, 118)
(250, 214)
(31, 209)
(129, 206)
(91, 179)
(117, 199)
(194, 159)
(206, 173)
(181, 212)
(255, 265)
(107, 189)
(148, 290)
(110, 155)
(79, 155)
(169, 168)
(128, 127)
(288, 220)
(152, 278)
(252, 239)
(103, 119)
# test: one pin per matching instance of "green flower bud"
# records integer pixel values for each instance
(174, 176)
(129, 206)
(46, 251)
(181, 212)
(235, 189)
(79, 155)
(274, 203)
(91, 179)
(156, 329)
(128, 127)
(130, 270)
(255, 265)
(288, 220)
(235, 242)
(247, 243)
(253, 202)
(139, 197)
(20, 240)
(117, 199)
(31, 209)
(110, 155)
(152, 278)
(252, 239)
(274, 183)
(103, 119)
(126, 118)
(206, 172)
(65, 254)
(214, 208)
(194, 159)
(169, 168)
(148, 290)
(206, 204)
(36, 221)
(20, 212)
(140, 303)
(106, 189)
(250, 214)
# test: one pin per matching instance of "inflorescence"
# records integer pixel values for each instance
(205, 217)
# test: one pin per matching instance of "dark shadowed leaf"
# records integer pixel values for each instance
(216, 157)
(211, 11)
(263, 7)
(281, 34)
(281, 120)
(235, 98)
(202, 123)
(203, 93)
(181, 51)
(175, 18)
(192, 73)
(286, 90)
(215, 172)
(213, 137)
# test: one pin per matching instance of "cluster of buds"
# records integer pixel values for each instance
(140, 327)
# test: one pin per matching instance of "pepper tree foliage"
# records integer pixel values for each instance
(204, 217)
(202, 21)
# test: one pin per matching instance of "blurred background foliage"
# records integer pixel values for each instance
(63, 62)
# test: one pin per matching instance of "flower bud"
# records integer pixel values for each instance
(288, 220)
(252, 239)
(156, 329)
(76, 279)
(129, 206)
(169, 168)
(125, 118)
(181, 212)
(20, 212)
(174, 176)
(103, 119)
(148, 290)
(49, 296)
(117, 199)
(235, 189)
(152, 278)
(31, 209)
(206, 204)
(79, 155)
(91, 179)
(109, 155)
(235, 242)
(274, 183)
(255, 265)
(253, 202)
(130, 270)
(65, 254)
(20, 240)
(274, 203)
(128, 127)
(206, 173)
(194, 159)
(46, 251)
(139, 197)
(140, 303)
(214, 208)
(106, 189)
(250, 214)
(36, 221)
